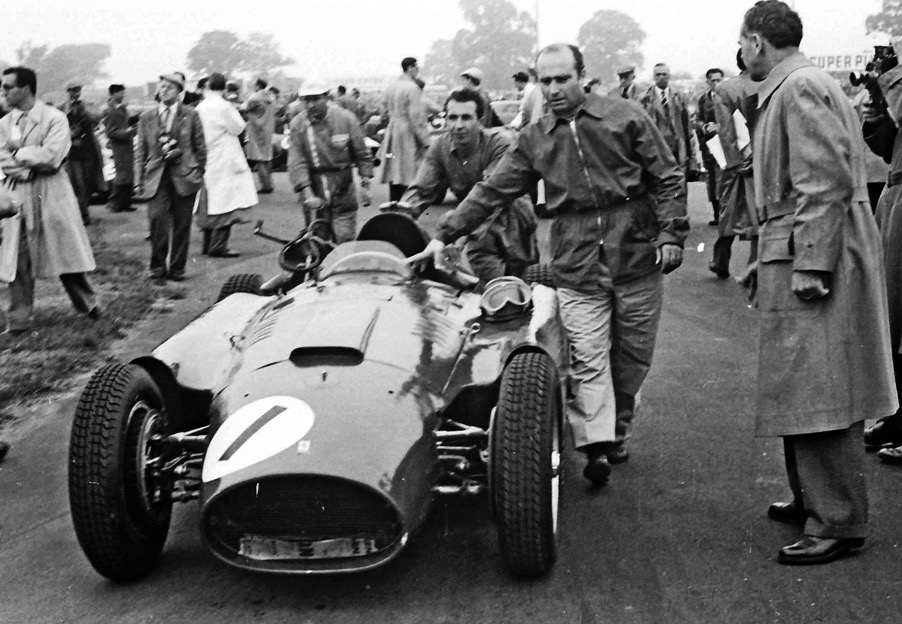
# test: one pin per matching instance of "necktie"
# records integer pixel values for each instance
(164, 119)
(625, 94)
(665, 104)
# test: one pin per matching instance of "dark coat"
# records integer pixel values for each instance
(188, 173)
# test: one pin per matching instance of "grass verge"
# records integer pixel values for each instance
(64, 343)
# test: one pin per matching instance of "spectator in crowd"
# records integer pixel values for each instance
(705, 130)
(326, 142)
(360, 109)
(472, 79)
(406, 136)
(47, 237)
(824, 363)
(233, 92)
(170, 160)
(667, 108)
(346, 100)
(228, 192)
(260, 111)
(120, 139)
(466, 154)
(84, 164)
(737, 183)
(882, 135)
(877, 168)
(627, 87)
(608, 269)
(532, 104)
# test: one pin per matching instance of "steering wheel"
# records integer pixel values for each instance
(303, 254)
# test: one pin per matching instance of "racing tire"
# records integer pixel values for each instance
(241, 283)
(526, 464)
(121, 507)
(539, 274)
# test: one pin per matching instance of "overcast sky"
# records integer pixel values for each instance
(369, 37)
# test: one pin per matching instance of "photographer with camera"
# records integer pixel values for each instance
(170, 161)
(883, 81)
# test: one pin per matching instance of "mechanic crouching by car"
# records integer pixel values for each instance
(458, 159)
(618, 202)
(326, 141)
(882, 135)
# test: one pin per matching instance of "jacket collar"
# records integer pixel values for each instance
(780, 73)
(32, 117)
(593, 106)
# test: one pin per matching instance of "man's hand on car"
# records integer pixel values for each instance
(434, 251)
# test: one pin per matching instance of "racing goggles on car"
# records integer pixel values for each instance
(505, 298)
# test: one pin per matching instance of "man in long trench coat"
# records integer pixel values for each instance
(47, 237)
(824, 361)
(406, 137)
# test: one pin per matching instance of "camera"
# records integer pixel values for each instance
(884, 60)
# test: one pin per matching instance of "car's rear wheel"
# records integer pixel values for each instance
(526, 463)
(119, 496)
(242, 283)
(539, 274)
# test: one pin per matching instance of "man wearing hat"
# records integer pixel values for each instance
(85, 164)
(406, 136)
(170, 160)
(325, 143)
(472, 78)
(627, 88)
(119, 134)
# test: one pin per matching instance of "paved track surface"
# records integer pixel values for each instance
(679, 536)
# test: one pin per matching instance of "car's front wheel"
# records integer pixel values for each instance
(119, 496)
(526, 463)
(242, 283)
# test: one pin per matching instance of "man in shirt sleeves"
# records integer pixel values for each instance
(619, 221)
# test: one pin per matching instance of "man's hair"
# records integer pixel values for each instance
(476, 81)
(407, 62)
(202, 83)
(739, 62)
(260, 83)
(578, 63)
(216, 82)
(467, 95)
(342, 89)
(713, 70)
(776, 22)
(116, 88)
(657, 65)
(25, 77)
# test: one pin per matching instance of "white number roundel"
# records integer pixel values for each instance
(256, 432)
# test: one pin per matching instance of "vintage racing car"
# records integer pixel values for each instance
(316, 416)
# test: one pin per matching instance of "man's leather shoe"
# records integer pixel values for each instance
(891, 455)
(4, 449)
(811, 550)
(597, 468)
(788, 513)
(228, 253)
(714, 222)
(176, 277)
(880, 435)
(720, 273)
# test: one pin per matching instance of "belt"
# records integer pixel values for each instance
(609, 207)
(894, 178)
(787, 206)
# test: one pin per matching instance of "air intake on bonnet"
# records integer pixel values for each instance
(304, 523)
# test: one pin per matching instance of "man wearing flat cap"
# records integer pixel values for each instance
(627, 88)
(85, 164)
(170, 160)
(120, 134)
(325, 143)
(472, 79)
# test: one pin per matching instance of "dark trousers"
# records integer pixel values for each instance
(713, 178)
(170, 229)
(80, 177)
(826, 474)
(874, 190)
(21, 289)
(723, 252)
(120, 197)
(396, 192)
(216, 240)
(263, 175)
